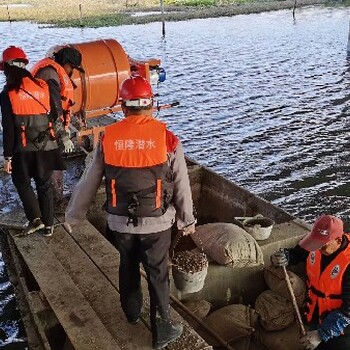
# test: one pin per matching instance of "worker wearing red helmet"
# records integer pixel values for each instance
(29, 140)
(57, 71)
(148, 189)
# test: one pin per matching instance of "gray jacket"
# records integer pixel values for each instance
(181, 209)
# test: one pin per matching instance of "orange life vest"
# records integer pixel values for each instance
(66, 85)
(325, 289)
(31, 111)
(138, 178)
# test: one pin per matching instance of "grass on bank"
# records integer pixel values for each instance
(92, 12)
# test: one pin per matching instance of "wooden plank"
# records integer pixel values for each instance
(102, 296)
(106, 258)
(15, 273)
(81, 324)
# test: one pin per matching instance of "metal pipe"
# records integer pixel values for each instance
(294, 301)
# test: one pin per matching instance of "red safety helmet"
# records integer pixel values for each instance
(13, 53)
(135, 88)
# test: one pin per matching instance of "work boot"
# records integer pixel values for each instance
(167, 332)
(48, 231)
(34, 226)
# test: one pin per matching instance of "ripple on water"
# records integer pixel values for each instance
(263, 100)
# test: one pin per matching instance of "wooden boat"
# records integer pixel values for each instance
(67, 285)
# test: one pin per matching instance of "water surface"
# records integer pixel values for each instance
(263, 99)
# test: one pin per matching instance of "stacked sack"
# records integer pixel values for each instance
(279, 329)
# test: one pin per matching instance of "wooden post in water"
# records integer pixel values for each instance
(81, 15)
(8, 13)
(294, 7)
(348, 47)
(163, 21)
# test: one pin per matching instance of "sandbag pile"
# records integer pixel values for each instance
(275, 280)
(278, 327)
(228, 245)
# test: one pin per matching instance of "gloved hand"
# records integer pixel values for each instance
(68, 145)
(8, 166)
(279, 258)
(188, 230)
(311, 340)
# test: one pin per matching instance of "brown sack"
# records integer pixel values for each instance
(274, 278)
(199, 308)
(287, 339)
(275, 311)
(228, 244)
(233, 323)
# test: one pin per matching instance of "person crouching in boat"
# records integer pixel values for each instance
(147, 188)
(326, 250)
(29, 140)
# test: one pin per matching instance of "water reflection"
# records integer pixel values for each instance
(264, 100)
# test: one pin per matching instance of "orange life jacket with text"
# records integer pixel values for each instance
(31, 112)
(138, 176)
(325, 289)
(66, 86)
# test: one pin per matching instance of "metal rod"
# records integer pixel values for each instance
(294, 301)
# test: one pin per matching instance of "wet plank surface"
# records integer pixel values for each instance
(84, 329)
(78, 275)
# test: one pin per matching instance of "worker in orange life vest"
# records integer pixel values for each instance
(326, 250)
(57, 71)
(29, 140)
(147, 189)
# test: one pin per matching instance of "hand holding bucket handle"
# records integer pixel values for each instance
(189, 229)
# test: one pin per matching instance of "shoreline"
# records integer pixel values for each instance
(171, 13)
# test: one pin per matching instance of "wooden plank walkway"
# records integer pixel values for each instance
(77, 274)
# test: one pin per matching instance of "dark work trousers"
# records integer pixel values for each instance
(337, 343)
(152, 250)
(34, 207)
(57, 181)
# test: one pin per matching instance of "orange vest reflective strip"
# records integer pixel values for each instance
(135, 142)
(325, 289)
(159, 194)
(66, 86)
(31, 99)
(114, 193)
(23, 136)
(51, 131)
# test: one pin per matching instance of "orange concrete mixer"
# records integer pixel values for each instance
(106, 66)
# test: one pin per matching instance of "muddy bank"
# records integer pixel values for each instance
(184, 13)
(139, 15)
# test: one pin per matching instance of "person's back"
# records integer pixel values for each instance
(147, 189)
(56, 71)
(29, 140)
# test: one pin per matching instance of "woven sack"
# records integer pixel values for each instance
(275, 280)
(287, 339)
(233, 323)
(275, 311)
(199, 308)
(228, 245)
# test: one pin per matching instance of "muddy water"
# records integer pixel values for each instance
(264, 100)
